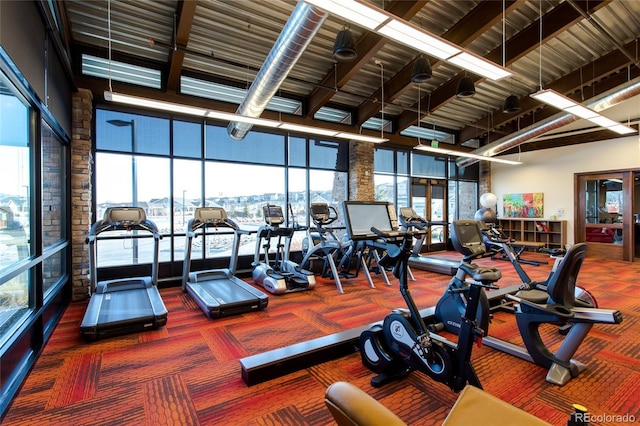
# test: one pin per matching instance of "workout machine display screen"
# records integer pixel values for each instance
(361, 216)
(468, 233)
(273, 215)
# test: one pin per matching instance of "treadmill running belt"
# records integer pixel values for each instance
(124, 305)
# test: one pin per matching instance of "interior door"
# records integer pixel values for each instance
(604, 217)
(428, 199)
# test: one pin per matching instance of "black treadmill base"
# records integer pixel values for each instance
(91, 334)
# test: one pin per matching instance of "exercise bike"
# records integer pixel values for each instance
(533, 291)
(404, 342)
(559, 307)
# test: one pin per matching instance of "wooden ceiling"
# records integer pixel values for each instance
(579, 48)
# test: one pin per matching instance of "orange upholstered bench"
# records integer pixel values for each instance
(351, 406)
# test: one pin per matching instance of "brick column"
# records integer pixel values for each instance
(361, 186)
(81, 169)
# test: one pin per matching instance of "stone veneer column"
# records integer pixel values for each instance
(361, 186)
(81, 190)
(484, 183)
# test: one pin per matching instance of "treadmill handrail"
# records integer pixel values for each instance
(195, 224)
(106, 224)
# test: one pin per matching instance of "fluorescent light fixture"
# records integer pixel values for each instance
(603, 121)
(353, 11)
(583, 112)
(621, 130)
(307, 129)
(452, 152)
(388, 25)
(555, 99)
(409, 35)
(228, 116)
(480, 66)
(151, 103)
(359, 137)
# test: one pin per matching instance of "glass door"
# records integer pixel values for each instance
(428, 199)
(604, 215)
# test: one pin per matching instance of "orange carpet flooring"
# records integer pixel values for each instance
(188, 373)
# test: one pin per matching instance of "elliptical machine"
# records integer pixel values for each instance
(322, 244)
(280, 275)
(404, 342)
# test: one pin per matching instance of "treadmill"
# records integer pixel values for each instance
(123, 305)
(410, 219)
(218, 292)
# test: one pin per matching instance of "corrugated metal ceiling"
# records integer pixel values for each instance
(230, 39)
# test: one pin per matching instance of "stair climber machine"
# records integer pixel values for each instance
(279, 275)
(559, 308)
(218, 292)
(322, 244)
(404, 342)
(123, 305)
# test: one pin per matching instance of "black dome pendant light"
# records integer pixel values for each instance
(511, 104)
(421, 70)
(466, 88)
(344, 48)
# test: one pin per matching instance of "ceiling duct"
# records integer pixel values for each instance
(304, 22)
(601, 103)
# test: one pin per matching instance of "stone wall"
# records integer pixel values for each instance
(484, 183)
(81, 190)
(361, 186)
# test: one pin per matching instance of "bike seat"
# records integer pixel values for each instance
(479, 273)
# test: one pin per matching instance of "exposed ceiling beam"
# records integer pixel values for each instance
(466, 30)
(368, 44)
(610, 82)
(586, 76)
(557, 20)
(185, 13)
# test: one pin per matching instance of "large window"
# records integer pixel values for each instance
(434, 177)
(197, 164)
(391, 177)
(15, 206)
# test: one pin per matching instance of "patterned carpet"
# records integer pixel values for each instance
(187, 373)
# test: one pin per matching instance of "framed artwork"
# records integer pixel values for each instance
(523, 205)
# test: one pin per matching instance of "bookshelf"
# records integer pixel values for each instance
(552, 233)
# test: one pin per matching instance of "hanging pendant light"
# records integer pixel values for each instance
(421, 70)
(511, 104)
(466, 88)
(344, 48)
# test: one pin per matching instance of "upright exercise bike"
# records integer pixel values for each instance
(404, 342)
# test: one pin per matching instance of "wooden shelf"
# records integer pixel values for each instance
(552, 233)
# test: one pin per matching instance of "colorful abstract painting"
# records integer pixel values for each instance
(523, 205)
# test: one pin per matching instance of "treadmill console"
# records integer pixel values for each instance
(212, 215)
(124, 216)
